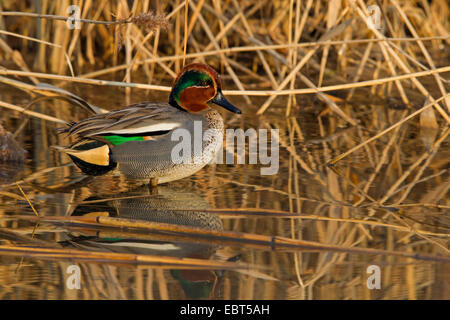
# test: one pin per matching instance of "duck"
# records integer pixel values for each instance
(139, 141)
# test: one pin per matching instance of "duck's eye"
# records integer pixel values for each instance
(205, 83)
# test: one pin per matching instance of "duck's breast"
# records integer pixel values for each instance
(176, 154)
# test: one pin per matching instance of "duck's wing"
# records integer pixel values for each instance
(96, 135)
(138, 120)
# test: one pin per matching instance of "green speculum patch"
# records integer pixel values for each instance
(116, 140)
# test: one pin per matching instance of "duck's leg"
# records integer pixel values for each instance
(153, 185)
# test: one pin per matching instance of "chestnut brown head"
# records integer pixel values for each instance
(197, 85)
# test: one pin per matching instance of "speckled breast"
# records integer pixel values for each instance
(175, 155)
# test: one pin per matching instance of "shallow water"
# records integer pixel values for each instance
(332, 207)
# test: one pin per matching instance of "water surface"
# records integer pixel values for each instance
(353, 205)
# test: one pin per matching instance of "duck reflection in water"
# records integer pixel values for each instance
(168, 206)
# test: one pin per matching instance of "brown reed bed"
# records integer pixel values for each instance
(341, 20)
(375, 87)
(153, 42)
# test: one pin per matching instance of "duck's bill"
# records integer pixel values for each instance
(220, 100)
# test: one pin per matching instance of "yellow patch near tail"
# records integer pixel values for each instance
(98, 156)
(97, 214)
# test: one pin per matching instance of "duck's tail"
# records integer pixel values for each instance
(91, 156)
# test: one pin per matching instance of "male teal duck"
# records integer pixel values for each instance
(137, 141)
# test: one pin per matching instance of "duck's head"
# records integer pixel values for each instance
(197, 85)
